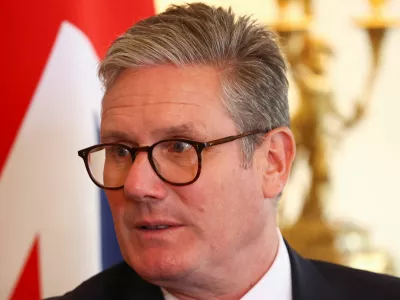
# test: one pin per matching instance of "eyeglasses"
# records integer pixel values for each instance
(175, 161)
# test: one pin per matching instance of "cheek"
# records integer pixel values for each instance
(117, 205)
(238, 201)
(219, 204)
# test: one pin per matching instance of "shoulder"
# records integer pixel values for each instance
(359, 284)
(118, 282)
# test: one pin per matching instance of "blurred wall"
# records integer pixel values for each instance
(365, 164)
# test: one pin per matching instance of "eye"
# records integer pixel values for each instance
(119, 151)
(122, 152)
(179, 147)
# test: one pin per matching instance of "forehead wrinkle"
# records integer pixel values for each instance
(151, 98)
(106, 109)
(153, 103)
(109, 109)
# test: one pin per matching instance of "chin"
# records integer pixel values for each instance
(160, 258)
(159, 263)
(161, 266)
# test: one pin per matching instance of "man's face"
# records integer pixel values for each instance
(212, 220)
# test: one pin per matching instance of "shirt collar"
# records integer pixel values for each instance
(275, 284)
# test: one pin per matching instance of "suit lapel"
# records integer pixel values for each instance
(146, 291)
(307, 282)
(130, 286)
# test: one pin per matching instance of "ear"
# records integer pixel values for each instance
(280, 151)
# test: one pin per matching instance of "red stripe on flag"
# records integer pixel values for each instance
(28, 34)
(28, 285)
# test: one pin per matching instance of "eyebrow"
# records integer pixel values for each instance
(185, 129)
(114, 135)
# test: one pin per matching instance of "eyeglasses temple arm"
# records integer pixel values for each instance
(232, 138)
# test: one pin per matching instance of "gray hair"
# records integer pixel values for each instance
(253, 69)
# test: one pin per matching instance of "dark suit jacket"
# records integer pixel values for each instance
(311, 280)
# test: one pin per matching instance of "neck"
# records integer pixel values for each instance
(237, 276)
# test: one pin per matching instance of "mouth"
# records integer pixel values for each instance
(158, 231)
(156, 227)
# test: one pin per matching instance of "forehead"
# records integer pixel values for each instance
(152, 98)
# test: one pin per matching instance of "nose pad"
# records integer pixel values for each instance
(142, 181)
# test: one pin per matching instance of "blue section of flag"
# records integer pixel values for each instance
(110, 253)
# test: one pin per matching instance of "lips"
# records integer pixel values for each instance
(156, 225)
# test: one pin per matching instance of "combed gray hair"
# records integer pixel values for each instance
(253, 69)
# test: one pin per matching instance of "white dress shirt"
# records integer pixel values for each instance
(276, 284)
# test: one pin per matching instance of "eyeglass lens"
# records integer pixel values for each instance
(175, 161)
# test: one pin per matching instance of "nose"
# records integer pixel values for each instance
(142, 183)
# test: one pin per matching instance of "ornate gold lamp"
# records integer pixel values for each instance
(376, 25)
(312, 235)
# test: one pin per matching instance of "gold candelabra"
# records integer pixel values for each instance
(312, 234)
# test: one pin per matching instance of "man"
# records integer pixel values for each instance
(196, 149)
